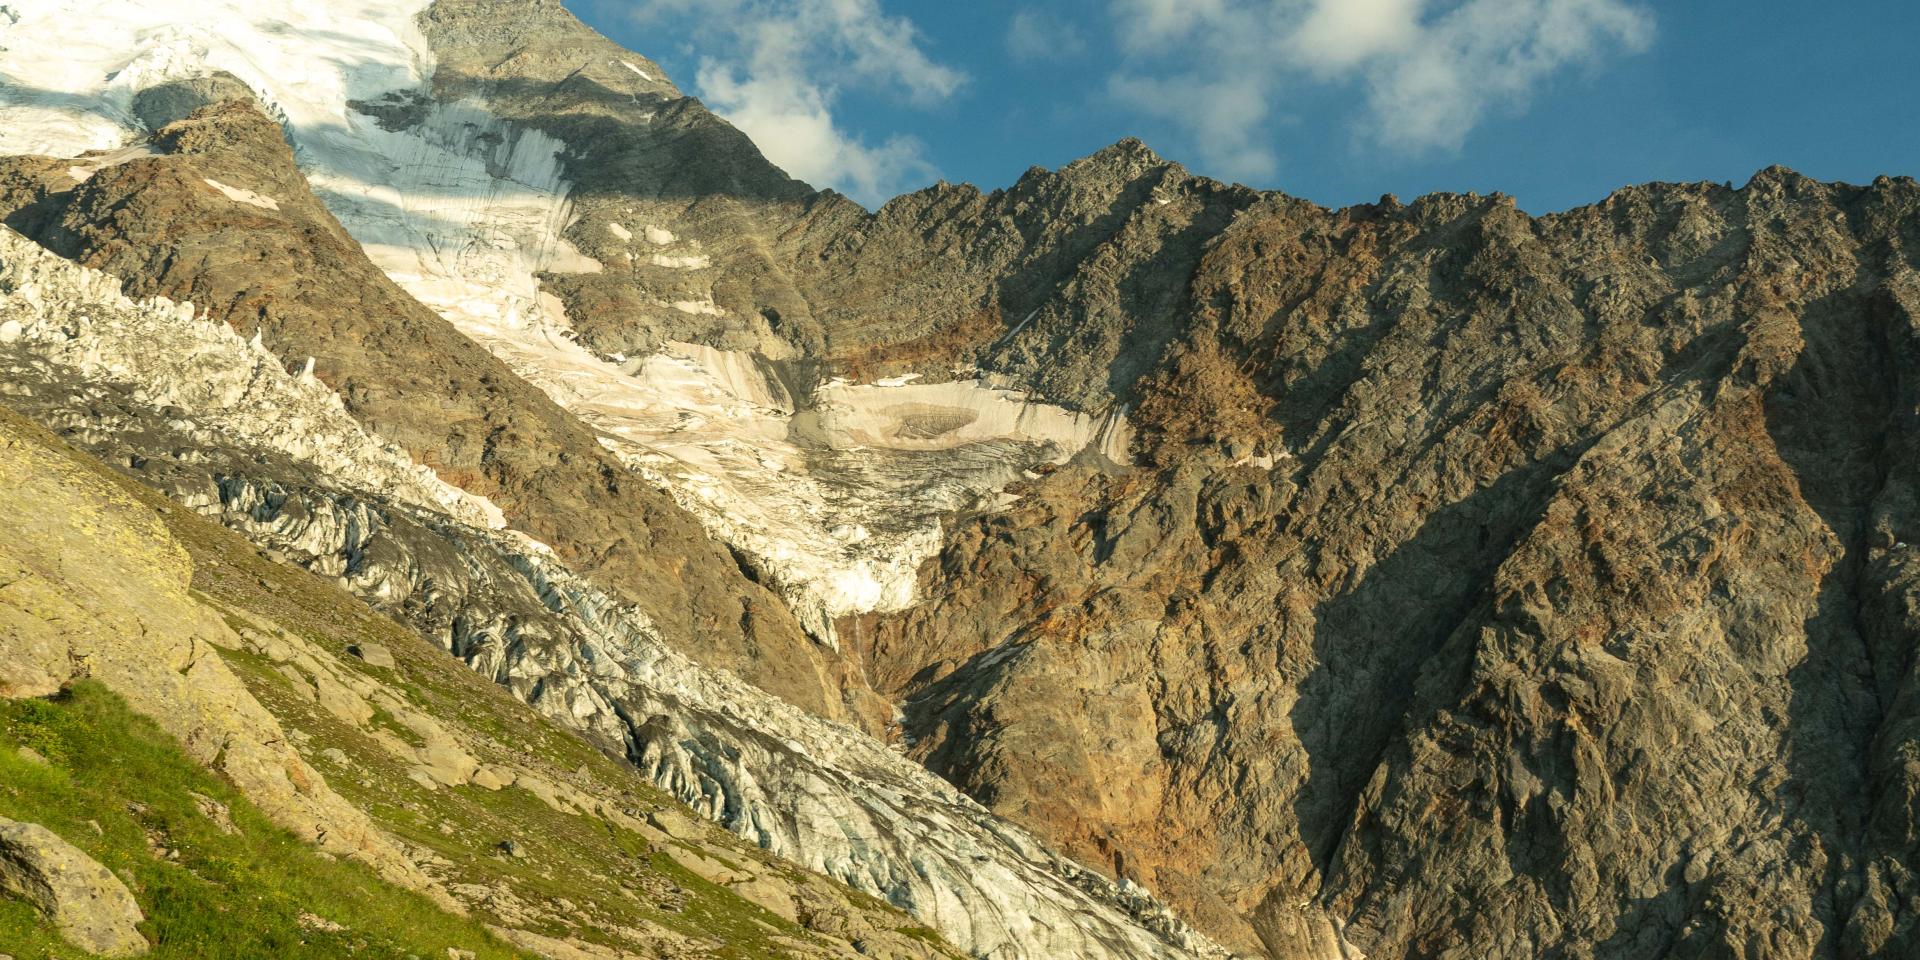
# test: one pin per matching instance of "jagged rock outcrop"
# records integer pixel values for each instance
(1495, 585)
(89, 905)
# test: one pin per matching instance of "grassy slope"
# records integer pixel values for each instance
(117, 787)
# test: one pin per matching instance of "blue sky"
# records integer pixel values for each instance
(1555, 102)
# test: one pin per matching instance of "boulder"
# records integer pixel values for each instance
(177, 99)
(89, 905)
(771, 894)
(373, 654)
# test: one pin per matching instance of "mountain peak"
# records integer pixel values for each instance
(1129, 154)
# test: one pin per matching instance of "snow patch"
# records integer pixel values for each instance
(636, 69)
(622, 233)
(837, 500)
(244, 196)
(659, 237)
(1022, 325)
(947, 416)
(70, 69)
(84, 170)
(690, 262)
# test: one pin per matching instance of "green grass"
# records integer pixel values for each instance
(386, 721)
(581, 859)
(118, 788)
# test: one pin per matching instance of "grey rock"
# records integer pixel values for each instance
(175, 100)
(373, 654)
(315, 922)
(217, 812)
(90, 907)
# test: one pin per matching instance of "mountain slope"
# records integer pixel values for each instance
(217, 421)
(1361, 424)
(344, 735)
(1408, 580)
(1547, 563)
(290, 272)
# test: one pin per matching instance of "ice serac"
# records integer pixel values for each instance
(77, 326)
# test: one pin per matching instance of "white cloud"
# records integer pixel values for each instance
(1227, 115)
(775, 69)
(1147, 25)
(793, 125)
(1430, 70)
(1034, 35)
(1337, 35)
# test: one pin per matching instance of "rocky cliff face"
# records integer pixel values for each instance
(1537, 590)
(1406, 580)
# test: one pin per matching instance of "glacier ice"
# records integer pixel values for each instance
(836, 496)
(61, 314)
